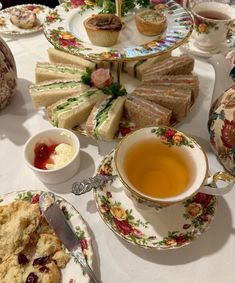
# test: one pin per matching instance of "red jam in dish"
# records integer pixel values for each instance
(42, 155)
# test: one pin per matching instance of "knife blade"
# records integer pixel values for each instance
(56, 219)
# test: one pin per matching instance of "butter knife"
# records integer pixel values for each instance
(58, 222)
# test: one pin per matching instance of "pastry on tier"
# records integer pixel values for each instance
(150, 22)
(24, 19)
(103, 29)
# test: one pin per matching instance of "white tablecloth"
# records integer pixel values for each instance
(210, 259)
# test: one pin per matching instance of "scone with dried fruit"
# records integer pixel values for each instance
(18, 221)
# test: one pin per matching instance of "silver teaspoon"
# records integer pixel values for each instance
(98, 181)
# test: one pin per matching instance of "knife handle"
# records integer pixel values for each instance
(81, 258)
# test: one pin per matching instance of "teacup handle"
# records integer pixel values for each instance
(219, 183)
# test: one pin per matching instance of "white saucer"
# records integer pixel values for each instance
(150, 227)
(191, 47)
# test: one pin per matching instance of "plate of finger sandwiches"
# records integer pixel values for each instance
(81, 95)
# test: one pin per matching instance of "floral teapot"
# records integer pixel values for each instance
(221, 124)
(8, 75)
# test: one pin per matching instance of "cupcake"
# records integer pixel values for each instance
(103, 29)
(150, 22)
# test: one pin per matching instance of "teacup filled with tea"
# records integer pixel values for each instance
(163, 166)
(212, 21)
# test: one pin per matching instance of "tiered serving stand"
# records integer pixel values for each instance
(148, 227)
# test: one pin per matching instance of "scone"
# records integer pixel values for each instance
(103, 29)
(24, 19)
(18, 221)
(150, 22)
(13, 271)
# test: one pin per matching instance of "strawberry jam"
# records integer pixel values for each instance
(42, 155)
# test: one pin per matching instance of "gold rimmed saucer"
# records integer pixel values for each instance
(191, 47)
(150, 227)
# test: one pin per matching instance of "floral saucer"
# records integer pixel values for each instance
(191, 47)
(7, 27)
(73, 272)
(150, 227)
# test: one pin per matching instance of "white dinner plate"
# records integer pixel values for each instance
(73, 272)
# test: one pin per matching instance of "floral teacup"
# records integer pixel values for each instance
(161, 166)
(212, 21)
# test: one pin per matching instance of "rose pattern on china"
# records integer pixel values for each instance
(198, 212)
(221, 127)
(204, 26)
(52, 17)
(172, 137)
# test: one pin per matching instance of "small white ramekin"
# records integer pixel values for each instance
(53, 136)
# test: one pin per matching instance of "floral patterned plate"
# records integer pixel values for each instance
(151, 227)
(64, 28)
(73, 272)
(191, 47)
(7, 27)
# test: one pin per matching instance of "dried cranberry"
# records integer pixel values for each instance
(44, 269)
(32, 278)
(22, 259)
(41, 260)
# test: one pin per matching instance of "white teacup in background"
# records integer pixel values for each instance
(212, 22)
(161, 166)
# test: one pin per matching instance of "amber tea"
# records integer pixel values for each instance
(156, 169)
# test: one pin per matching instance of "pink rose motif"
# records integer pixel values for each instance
(169, 133)
(101, 78)
(123, 226)
(109, 194)
(203, 199)
(104, 208)
(77, 3)
(137, 233)
(69, 42)
(181, 239)
(205, 218)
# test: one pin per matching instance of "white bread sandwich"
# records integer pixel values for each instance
(145, 113)
(185, 81)
(174, 65)
(104, 119)
(74, 110)
(176, 99)
(48, 92)
(46, 71)
(57, 56)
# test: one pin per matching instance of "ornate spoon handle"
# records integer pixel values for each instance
(98, 181)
